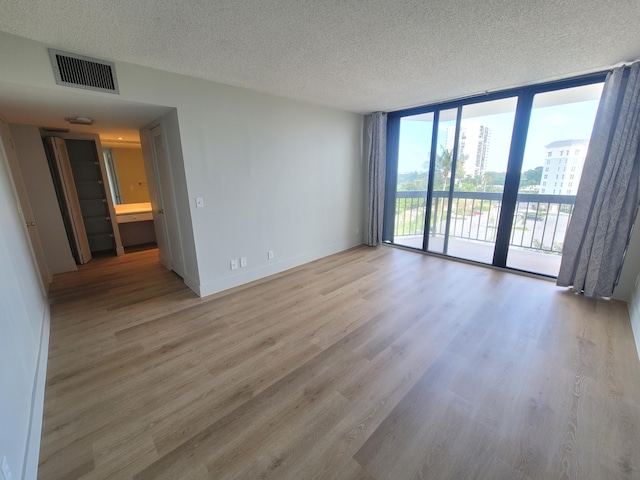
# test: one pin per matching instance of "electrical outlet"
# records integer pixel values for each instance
(234, 264)
(6, 471)
(270, 254)
(243, 262)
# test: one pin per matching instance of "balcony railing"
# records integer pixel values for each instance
(539, 221)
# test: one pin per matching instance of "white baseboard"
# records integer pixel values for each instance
(241, 278)
(193, 284)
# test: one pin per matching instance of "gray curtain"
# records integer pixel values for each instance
(377, 155)
(607, 200)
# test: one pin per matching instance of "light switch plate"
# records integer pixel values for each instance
(199, 202)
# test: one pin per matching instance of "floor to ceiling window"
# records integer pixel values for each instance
(491, 179)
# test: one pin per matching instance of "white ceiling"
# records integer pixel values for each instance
(116, 121)
(356, 55)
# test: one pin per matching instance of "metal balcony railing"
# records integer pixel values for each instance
(539, 221)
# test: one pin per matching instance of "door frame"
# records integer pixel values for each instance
(164, 206)
(155, 194)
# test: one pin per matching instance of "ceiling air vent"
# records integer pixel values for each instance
(73, 70)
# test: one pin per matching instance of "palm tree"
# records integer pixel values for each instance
(444, 162)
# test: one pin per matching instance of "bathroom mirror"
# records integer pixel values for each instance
(127, 176)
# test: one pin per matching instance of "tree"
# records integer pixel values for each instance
(493, 181)
(412, 181)
(494, 178)
(471, 184)
(444, 163)
(531, 177)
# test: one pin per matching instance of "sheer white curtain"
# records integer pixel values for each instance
(607, 200)
(377, 155)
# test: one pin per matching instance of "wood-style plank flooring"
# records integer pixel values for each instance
(375, 363)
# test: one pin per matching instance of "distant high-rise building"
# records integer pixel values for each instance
(563, 163)
(474, 145)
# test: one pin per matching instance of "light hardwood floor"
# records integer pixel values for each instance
(376, 363)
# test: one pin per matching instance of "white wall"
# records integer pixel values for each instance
(275, 174)
(24, 327)
(279, 176)
(628, 288)
(37, 178)
(634, 314)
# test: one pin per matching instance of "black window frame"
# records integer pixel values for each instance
(525, 96)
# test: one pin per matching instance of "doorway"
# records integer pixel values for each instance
(117, 123)
(82, 197)
(129, 184)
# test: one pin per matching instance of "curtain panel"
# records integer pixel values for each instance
(377, 154)
(607, 199)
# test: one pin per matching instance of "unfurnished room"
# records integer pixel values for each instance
(319, 240)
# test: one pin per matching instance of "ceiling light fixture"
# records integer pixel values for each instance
(79, 120)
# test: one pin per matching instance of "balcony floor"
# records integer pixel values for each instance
(519, 258)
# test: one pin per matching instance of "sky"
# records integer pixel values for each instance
(547, 124)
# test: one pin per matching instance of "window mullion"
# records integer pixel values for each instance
(454, 161)
(430, 181)
(512, 179)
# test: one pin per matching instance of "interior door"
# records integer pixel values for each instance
(68, 196)
(163, 194)
(24, 208)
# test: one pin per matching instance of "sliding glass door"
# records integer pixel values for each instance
(476, 179)
(557, 142)
(414, 155)
(482, 156)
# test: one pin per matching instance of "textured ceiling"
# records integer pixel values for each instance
(357, 55)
